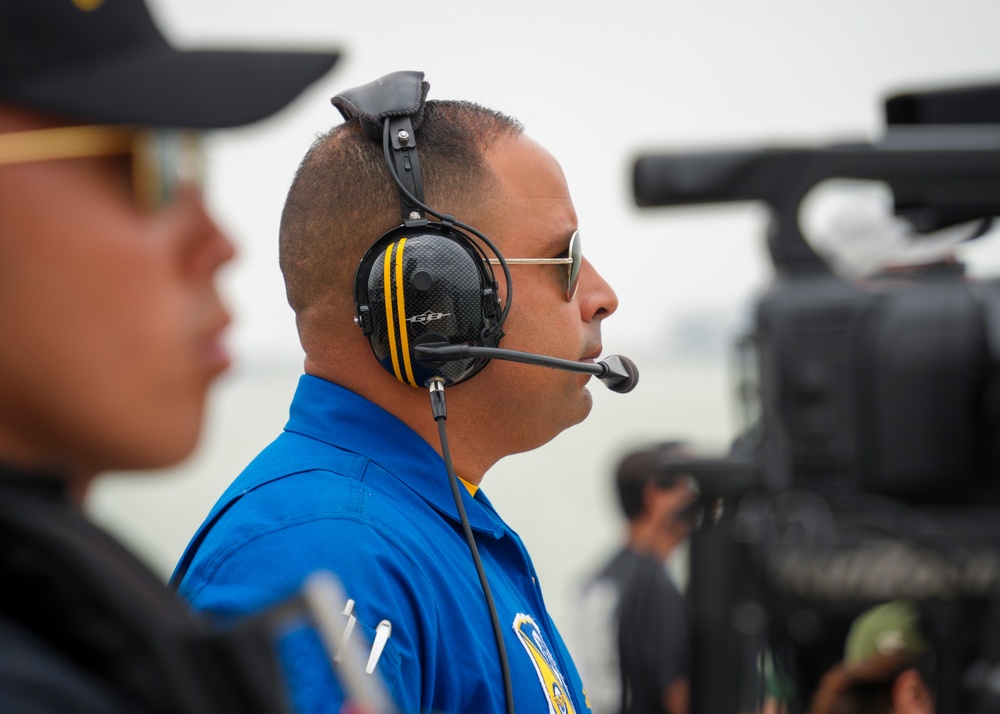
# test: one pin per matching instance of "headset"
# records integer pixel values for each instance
(426, 284)
(425, 293)
(423, 282)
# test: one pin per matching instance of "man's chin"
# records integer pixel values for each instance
(585, 407)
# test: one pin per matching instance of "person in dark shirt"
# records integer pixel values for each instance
(111, 326)
(634, 616)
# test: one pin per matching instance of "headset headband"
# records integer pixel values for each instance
(393, 104)
(422, 281)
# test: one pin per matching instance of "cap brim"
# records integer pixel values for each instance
(164, 86)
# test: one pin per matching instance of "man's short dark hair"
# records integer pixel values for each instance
(342, 197)
(637, 468)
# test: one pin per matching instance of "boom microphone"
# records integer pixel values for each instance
(618, 373)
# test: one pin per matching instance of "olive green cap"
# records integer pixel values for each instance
(889, 629)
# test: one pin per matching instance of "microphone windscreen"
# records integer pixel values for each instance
(620, 374)
(628, 384)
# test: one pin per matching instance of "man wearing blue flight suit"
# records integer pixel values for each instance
(357, 484)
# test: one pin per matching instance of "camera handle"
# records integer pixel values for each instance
(934, 171)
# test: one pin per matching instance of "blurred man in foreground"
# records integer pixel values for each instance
(112, 333)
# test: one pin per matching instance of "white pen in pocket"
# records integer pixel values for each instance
(382, 634)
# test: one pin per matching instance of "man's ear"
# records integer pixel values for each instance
(911, 695)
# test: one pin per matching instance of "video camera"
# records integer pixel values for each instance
(872, 469)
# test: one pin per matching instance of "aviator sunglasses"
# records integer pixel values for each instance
(163, 160)
(572, 261)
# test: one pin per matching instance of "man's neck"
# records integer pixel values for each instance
(413, 407)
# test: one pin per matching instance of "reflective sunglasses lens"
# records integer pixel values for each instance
(165, 162)
(573, 269)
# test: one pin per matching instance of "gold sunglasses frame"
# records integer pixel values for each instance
(94, 140)
(570, 288)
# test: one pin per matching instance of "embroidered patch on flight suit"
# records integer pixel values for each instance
(549, 677)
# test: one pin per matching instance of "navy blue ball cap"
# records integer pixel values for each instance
(105, 61)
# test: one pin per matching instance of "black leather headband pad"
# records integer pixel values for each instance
(399, 94)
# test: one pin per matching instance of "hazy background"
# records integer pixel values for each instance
(597, 84)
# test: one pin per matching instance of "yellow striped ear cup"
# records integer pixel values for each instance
(430, 283)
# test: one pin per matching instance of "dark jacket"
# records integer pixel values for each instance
(86, 628)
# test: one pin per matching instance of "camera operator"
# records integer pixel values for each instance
(632, 607)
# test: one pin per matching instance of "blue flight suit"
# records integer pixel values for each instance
(349, 488)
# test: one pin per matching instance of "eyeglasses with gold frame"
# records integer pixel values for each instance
(163, 160)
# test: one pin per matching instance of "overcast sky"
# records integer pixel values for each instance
(598, 84)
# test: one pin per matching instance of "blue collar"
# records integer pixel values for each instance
(333, 415)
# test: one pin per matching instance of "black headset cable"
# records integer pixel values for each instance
(439, 409)
(440, 415)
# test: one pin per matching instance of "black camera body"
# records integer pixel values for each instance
(887, 387)
(871, 471)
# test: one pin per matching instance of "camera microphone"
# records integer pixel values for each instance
(618, 373)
